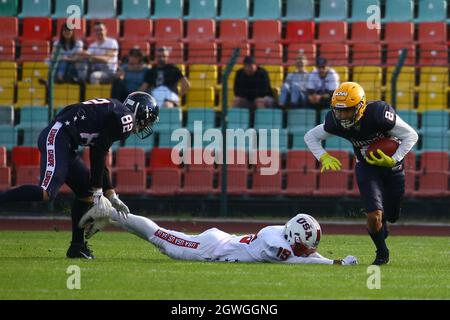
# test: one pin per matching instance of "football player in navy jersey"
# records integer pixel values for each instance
(96, 123)
(381, 178)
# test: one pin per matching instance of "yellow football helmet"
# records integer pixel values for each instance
(348, 103)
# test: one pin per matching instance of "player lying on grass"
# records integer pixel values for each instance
(295, 242)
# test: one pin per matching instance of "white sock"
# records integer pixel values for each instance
(140, 226)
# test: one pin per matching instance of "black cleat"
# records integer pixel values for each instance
(386, 229)
(381, 258)
(79, 250)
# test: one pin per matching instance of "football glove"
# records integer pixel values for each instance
(101, 203)
(329, 163)
(383, 161)
(349, 260)
(119, 205)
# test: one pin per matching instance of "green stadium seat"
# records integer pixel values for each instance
(301, 120)
(399, 11)
(410, 117)
(165, 140)
(8, 8)
(298, 141)
(35, 8)
(265, 141)
(101, 9)
(62, 5)
(31, 135)
(171, 119)
(238, 118)
(435, 140)
(168, 9)
(338, 143)
(234, 9)
(205, 115)
(432, 11)
(135, 9)
(6, 115)
(268, 119)
(359, 9)
(134, 141)
(323, 114)
(266, 10)
(202, 9)
(435, 120)
(299, 10)
(333, 10)
(8, 136)
(31, 117)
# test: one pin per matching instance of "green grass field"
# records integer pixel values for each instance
(33, 266)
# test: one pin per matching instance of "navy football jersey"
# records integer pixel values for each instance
(97, 123)
(379, 118)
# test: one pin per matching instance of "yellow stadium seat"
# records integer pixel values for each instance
(203, 75)
(33, 71)
(65, 94)
(276, 75)
(405, 80)
(8, 73)
(343, 73)
(430, 99)
(370, 78)
(236, 67)
(433, 78)
(405, 98)
(6, 94)
(200, 97)
(94, 91)
(31, 94)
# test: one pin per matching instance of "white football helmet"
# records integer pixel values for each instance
(303, 234)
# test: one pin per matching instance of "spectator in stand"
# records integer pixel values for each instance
(130, 76)
(162, 80)
(321, 84)
(293, 92)
(102, 56)
(252, 86)
(67, 66)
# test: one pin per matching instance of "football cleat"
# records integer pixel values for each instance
(79, 250)
(381, 258)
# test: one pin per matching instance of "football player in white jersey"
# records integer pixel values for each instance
(295, 242)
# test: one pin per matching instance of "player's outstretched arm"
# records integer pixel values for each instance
(313, 139)
(317, 258)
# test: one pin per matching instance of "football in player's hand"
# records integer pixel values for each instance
(387, 145)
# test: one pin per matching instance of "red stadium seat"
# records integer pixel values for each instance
(393, 52)
(410, 161)
(399, 32)
(5, 178)
(434, 162)
(227, 51)
(366, 54)
(197, 154)
(354, 190)
(332, 32)
(202, 53)
(112, 27)
(137, 29)
(333, 183)
(268, 53)
(301, 160)
(198, 182)
(236, 181)
(307, 49)
(176, 50)
(266, 184)
(127, 45)
(433, 54)
(410, 182)
(27, 175)
(34, 50)
(237, 160)
(432, 32)
(130, 158)
(130, 181)
(344, 158)
(25, 156)
(335, 53)
(161, 158)
(266, 31)
(200, 30)
(3, 154)
(262, 162)
(299, 32)
(233, 31)
(362, 34)
(433, 184)
(168, 29)
(10, 28)
(165, 181)
(7, 50)
(38, 28)
(87, 161)
(80, 33)
(300, 183)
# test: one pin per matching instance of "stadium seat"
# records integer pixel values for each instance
(25, 156)
(33, 117)
(369, 77)
(394, 51)
(309, 50)
(362, 34)
(263, 159)
(34, 50)
(31, 135)
(198, 182)
(342, 155)
(205, 115)
(161, 158)
(111, 24)
(27, 175)
(434, 162)
(146, 144)
(332, 32)
(333, 183)
(172, 119)
(6, 94)
(31, 94)
(432, 10)
(433, 140)
(298, 141)
(410, 161)
(65, 94)
(432, 32)
(433, 77)
(168, 9)
(366, 54)
(265, 140)
(127, 45)
(233, 31)
(135, 9)
(35, 8)
(8, 74)
(34, 71)
(300, 120)
(338, 143)
(266, 31)
(9, 8)
(399, 32)
(238, 118)
(165, 182)
(202, 53)
(299, 10)
(276, 76)
(130, 158)
(268, 119)
(6, 116)
(406, 78)
(200, 30)
(200, 97)
(266, 10)
(410, 183)
(7, 50)
(62, 6)
(399, 11)
(300, 160)
(405, 97)
(228, 49)
(10, 28)
(266, 184)
(130, 181)
(203, 75)
(168, 29)
(410, 117)
(300, 183)
(202, 9)
(234, 9)
(236, 181)
(335, 53)
(101, 9)
(359, 10)
(165, 138)
(8, 137)
(333, 10)
(137, 29)
(80, 33)
(433, 184)
(175, 48)
(433, 54)
(323, 114)
(432, 99)
(268, 53)
(5, 178)
(299, 31)
(93, 91)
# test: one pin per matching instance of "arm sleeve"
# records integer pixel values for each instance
(313, 140)
(314, 258)
(406, 134)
